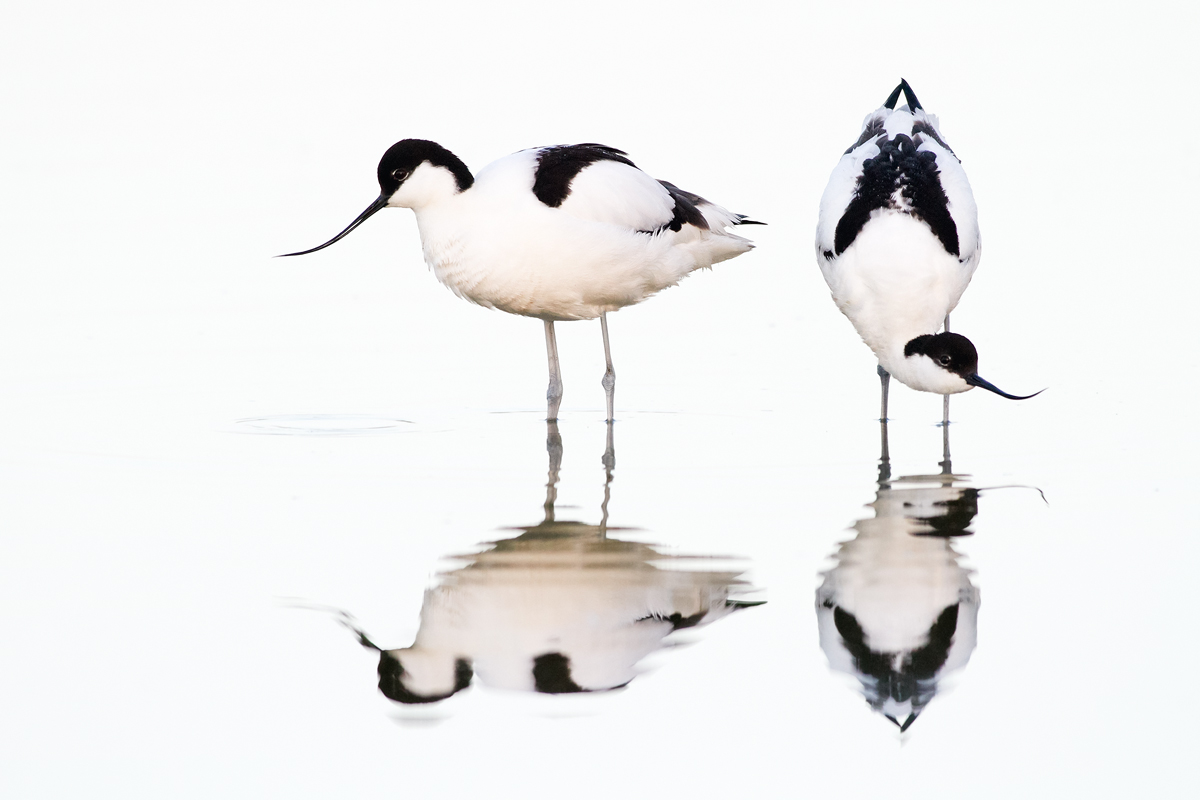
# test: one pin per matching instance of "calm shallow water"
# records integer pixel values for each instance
(546, 605)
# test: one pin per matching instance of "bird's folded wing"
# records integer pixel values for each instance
(618, 194)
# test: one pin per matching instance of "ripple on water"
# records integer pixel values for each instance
(322, 425)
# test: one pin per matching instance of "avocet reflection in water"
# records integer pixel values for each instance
(898, 610)
(561, 608)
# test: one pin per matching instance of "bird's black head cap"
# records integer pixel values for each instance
(950, 351)
(391, 683)
(956, 354)
(402, 158)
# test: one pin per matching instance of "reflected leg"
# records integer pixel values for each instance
(554, 448)
(885, 461)
(554, 391)
(609, 382)
(610, 462)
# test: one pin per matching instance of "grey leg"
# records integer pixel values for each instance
(945, 463)
(946, 418)
(609, 382)
(554, 391)
(885, 468)
(884, 378)
(945, 433)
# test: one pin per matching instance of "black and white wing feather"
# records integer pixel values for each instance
(601, 184)
(900, 162)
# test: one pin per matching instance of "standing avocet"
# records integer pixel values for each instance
(897, 242)
(568, 232)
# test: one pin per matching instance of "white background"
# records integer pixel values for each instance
(156, 156)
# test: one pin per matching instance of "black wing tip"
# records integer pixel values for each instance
(890, 103)
(913, 103)
(738, 605)
(903, 726)
(909, 96)
(741, 220)
(597, 146)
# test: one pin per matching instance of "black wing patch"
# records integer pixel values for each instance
(916, 678)
(558, 166)
(552, 675)
(920, 664)
(899, 167)
(921, 126)
(924, 662)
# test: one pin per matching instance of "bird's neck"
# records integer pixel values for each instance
(909, 370)
(890, 352)
(444, 228)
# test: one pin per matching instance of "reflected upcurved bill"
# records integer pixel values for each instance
(560, 608)
(897, 610)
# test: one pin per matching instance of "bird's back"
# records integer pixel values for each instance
(898, 236)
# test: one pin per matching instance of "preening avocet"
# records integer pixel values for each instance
(568, 232)
(898, 242)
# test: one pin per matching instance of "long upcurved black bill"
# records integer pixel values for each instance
(975, 380)
(380, 202)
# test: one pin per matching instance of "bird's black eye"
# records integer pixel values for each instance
(944, 359)
(400, 174)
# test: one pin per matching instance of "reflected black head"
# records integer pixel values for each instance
(391, 672)
(406, 155)
(950, 351)
(956, 518)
